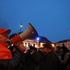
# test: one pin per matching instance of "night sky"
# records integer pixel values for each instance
(51, 18)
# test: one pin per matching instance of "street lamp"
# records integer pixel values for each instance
(21, 27)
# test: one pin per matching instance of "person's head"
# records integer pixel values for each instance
(4, 34)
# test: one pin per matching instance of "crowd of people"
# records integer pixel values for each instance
(36, 59)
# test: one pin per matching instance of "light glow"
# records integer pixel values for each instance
(53, 45)
(37, 38)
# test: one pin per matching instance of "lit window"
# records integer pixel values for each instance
(42, 45)
(25, 44)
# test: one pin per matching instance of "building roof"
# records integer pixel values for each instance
(63, 41)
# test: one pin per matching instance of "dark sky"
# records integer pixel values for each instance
(51, 18)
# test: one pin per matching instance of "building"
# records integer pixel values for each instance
(65, 42)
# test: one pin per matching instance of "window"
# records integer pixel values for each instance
(42, 45)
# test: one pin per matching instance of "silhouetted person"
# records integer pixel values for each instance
(62, 55)
(50, 62)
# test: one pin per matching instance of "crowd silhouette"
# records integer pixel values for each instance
(35, 59)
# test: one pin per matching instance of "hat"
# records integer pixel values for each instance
(4, 31)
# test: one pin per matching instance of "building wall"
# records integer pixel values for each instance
(67, 44)
(33, 43)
